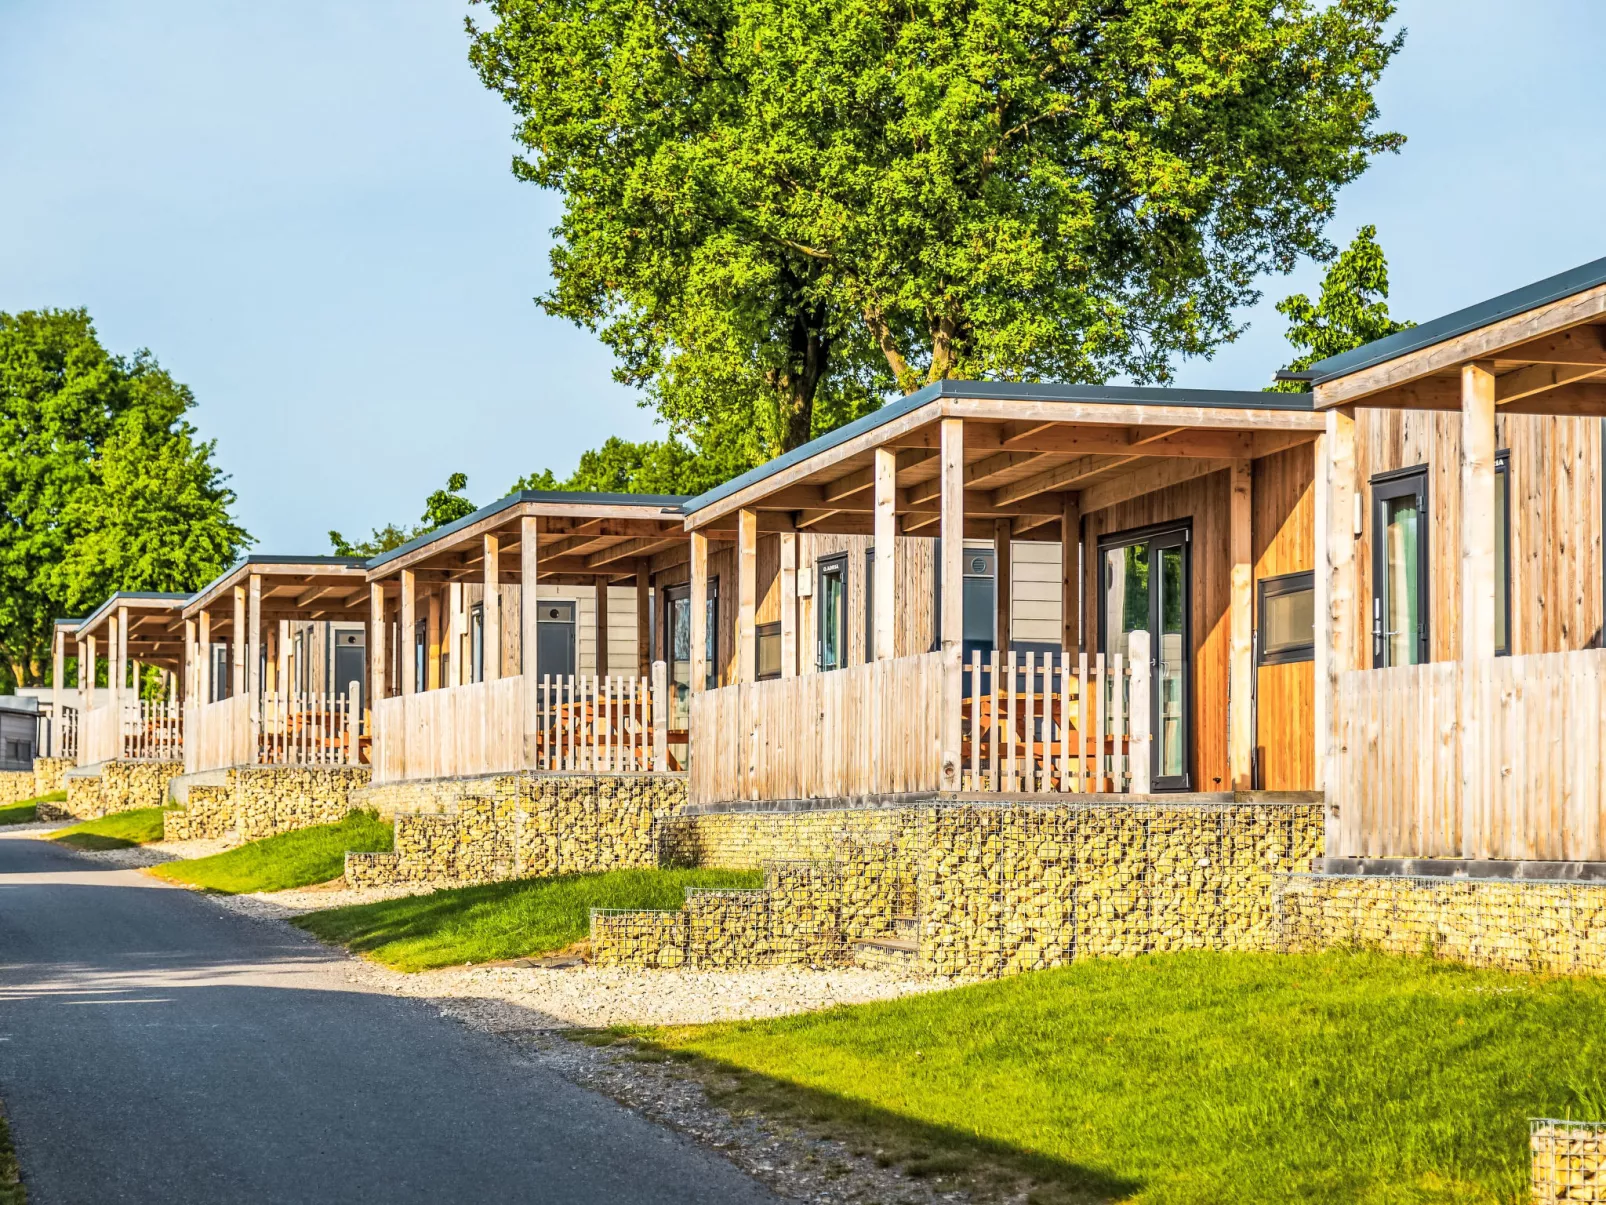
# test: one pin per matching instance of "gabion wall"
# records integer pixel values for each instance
(1567, 1161)
(121, 786)
(263, 801)
(1515, 925)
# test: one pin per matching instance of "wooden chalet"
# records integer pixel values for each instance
(61, 739)
(129, 630)
(592, 678)
(1460, 583)
(1172, 518)
(277, 671)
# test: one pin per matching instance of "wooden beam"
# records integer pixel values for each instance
(884, 620)
(1540, 379)
(747, 596)
(601, 606)
(203, 636)
(1582, 345)
(237, 639)
(1241, 654)
(1070, 579)
(788, 605)
(1060, 477)
(377, 661)
(1478, 391)
(409, 632)
(530, 613)
(1584, 398)
(863, 479)
(699, 612)
(432, 641)
(1003, 586)
(491, 608)
(1338, 638)
(643, 618)
(1157, 475)
(953, 598)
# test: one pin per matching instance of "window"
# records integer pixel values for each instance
(476, 643)
(1400, 568)
(769, 650)
(1287, 628)
(831, 592)
(421, 655)
(301, 662)
(1502, 553)
(869, 605)
(711, 642)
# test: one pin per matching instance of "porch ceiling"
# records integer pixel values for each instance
(155, 630)
(293, 590)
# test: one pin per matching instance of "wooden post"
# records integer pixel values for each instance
(203, 679)
(660, 716)
(452, 640)
(135, 680)
(1003, 585)
(253, 656)
(529, 632)
(1336, 587)
(491, 611)
(886, 553)
(600, 584)
(1241, 623)
(699, 611)
(409, 632)
(376, 643)
(192, 661)
(118, 669)
(643, 618)
(788, 604)
(432, 642)
(58, 681)
(281, 662)
(1139, 727)
(237, 644)
(94, 675)
(746, 595)
(1070, 581)
(1478, 581)
(953, 596)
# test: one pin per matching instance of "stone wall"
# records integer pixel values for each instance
(49, 772)
(17, 785)
(994, 888)
(208, 814)
(116, 786)
(1508, 924)
(521, 825)
(263, 801)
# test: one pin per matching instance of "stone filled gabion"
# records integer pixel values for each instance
(17, 785)
(264, 801)
(1506, 924)
(207, 815)
(49, 774)
(120, 786)
(1567, 1162)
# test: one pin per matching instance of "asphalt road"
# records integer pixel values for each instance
(154, 1048)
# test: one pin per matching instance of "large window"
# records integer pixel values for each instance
(1502, 553)
(768, 636)
(476, 643)
(831, 604)
(1400, 568)
(1287, 628)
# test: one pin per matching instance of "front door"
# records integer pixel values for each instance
(1146, 588)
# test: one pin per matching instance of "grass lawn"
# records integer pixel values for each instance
(503, 920)
(1195, 1078)
(11, 1190)
(26, 811)
(293, 859)
(120, 830)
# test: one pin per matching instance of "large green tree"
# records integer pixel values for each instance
(783, 209)
(1351, 309)
(441, 507)
(104, 485)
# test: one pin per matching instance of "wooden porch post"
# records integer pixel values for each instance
(1003, 585)
(600, 585)
(1337, 647)
(886, 553)
(115, 654)
(58, 677)
(281, 662)
(94, 670)
(452, 638)
(788, 604)
(192, 660)
(953, 596)
(529, 632)
(699, 611)
(376, 643)
(203, 665)
(491, 611)
(237, 644)
(253, 660)
(746, 595)
(409, 632)
(1241, 623)
(1070, 581)
(1477, 512)
(432, 637)
(643, 618)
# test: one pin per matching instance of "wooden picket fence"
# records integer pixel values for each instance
(64, 733)
(604, 725)
(311, 728)
(1037, 724)
(142, 730)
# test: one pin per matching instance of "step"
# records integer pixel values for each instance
(887, 954)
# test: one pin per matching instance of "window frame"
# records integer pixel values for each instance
(1386, 487)
(1276, 587)
(761, 633)
(827, 566)
(1502, 485)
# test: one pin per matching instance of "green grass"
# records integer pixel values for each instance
(120, 830)
(503, 920)
(11, 1189)
(293, 859)
(25, 811)
(1188, 1078)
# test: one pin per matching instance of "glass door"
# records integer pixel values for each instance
(1146, 588)
(1400, 569)
(677, 626)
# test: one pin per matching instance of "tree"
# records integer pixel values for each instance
(652, 467)
(1352, 310)
(104, 485)
(767, 206)
(440, 508)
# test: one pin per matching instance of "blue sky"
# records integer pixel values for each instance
(305, 210)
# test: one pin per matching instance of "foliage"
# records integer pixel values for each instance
(770, 207)
(1352, 310)
(664, 466)
(503, 920)
(295, 859)
(26, 811)
(120, 830)
(440, 508)
(1203, 1077)
(104, 485)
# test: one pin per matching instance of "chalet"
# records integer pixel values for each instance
(129, 630)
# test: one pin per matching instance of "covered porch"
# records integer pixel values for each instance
(536, 634)
(129, 631)
(1162, 511)
(276, 672)
(1461, 685)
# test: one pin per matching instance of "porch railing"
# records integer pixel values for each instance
(295, 729)
(142, 730)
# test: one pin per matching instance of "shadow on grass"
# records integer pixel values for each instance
(951, 1159)
(94, 841)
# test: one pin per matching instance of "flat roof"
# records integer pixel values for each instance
(1484, 313)
(664, 502)
(1124, 395)
(267, 560)
(128, 596)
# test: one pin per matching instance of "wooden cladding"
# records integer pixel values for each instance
(868, 729)
(1494, 759)
(311, 728)
(145, 731)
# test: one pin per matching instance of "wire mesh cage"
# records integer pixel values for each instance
(1567, 1161)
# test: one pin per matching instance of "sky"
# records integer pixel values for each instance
(305, 210)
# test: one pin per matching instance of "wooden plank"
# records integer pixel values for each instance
(1478, 583)
(884, 620)
(1070, 563)
(1240, 686)
(952, 570)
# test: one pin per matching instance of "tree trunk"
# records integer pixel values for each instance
(808, 353)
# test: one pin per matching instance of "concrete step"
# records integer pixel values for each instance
(887, 954)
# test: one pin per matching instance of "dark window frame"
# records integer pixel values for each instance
(869, 605)
(826, 566)
(1276, 587)
(1502, 485)
(1386, 487)
(476, 643)
(761, 633)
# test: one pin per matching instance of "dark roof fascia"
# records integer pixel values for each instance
(666, 502)
(1118, 395)
(123, 596)
(1485, 313)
